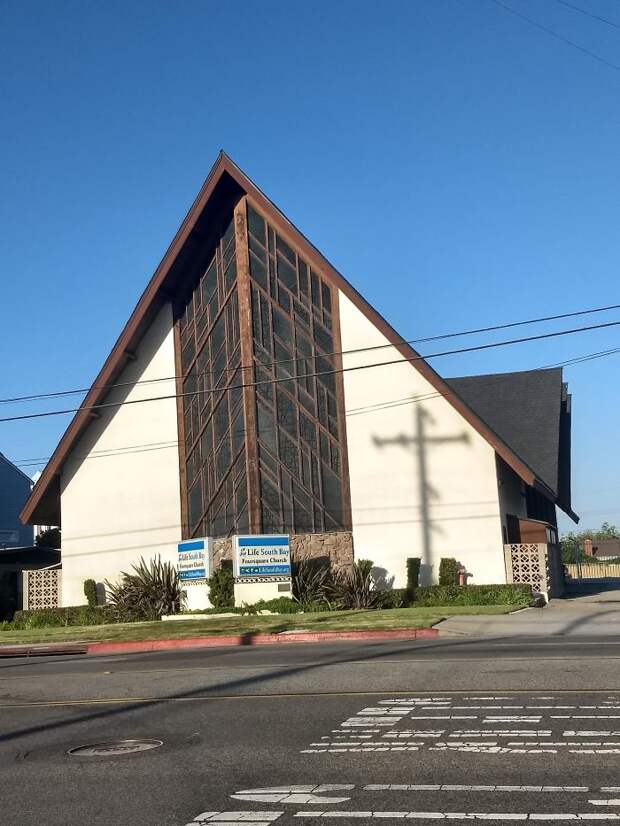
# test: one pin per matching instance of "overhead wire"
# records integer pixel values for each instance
(589, 13)
(556, 35)
(351, 368)
(37, 461)
(289, 378)
(440, 337)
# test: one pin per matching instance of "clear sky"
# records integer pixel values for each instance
(458, 165)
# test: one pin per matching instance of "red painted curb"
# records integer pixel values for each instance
(99, 648)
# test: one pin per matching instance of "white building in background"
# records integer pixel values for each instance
(254, 390)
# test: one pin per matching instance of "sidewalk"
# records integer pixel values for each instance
(563, 617)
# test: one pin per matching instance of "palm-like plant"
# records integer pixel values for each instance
(312, 580)
(151, 590)
(355, 587)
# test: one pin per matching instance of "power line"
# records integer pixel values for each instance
(580, 359)
(475, 348)
(555, 34)
(589, 13)
(36, 461)
(442, 336)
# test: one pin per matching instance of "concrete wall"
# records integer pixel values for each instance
(120, 491)
(423, 481)
(15, 488)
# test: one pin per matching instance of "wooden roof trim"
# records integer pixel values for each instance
(319, 262)
(117, 356)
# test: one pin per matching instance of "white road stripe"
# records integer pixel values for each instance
(471, 788)
(236, 817)
(447, 717)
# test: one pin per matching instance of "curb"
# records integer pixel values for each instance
(140, 646)
(42, 650)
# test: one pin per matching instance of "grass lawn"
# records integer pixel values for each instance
(327, 621)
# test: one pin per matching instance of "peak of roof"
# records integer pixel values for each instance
(15, 468)
(225, 185)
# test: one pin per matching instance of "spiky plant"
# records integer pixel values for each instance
(152, 589)
(355, 587)
(312, 580)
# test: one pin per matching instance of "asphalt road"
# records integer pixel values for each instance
(490, 729)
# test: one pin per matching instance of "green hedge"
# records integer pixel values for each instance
(413, 578)
(222, 589)
(278, 605)
(448, 571)
(58, 617)
(90, 592)
(473, 595)
(394, 598)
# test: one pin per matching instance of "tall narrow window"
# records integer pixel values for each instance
(300, 447)
(213, 419)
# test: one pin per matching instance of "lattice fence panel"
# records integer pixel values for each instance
(528, 562)
(42, 589)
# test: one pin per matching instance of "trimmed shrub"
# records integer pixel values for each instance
(279, 605)
(222, 589)
(448, 571)
(393, 598)
(151, 590)
(355, 587)
(90, 592)
(413, 578)
(59, 617)
(513, 594)
(312, 580)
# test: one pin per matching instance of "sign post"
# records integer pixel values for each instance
(194, 567)
(262, 567)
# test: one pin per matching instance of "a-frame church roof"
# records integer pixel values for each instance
(225, 183)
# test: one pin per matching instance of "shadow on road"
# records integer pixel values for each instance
(236, 684)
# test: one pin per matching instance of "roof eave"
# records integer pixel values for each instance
(28, 514)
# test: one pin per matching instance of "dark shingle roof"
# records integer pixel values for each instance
(524, 409)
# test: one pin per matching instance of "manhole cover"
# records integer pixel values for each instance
(114, 747)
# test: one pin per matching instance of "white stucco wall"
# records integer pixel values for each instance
(120, 494)
(430, 498)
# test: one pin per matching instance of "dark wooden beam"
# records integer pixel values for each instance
(247, 372)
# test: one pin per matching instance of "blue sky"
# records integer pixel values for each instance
(459, 166)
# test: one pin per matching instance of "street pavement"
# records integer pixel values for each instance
(526, 728)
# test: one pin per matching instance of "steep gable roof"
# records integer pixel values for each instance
(527, 410)
(226, 180)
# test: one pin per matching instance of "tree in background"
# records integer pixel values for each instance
(572, 543)
(49, 538)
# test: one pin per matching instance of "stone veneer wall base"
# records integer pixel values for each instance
(336, 545)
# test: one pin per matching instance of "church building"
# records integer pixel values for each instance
(254, 390)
